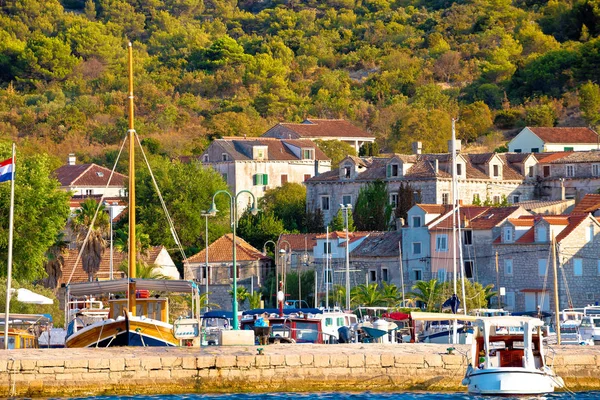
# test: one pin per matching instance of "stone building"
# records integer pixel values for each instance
(322, 129)
(526, 263)
(378, 259)
(487, 176)
(568, 175)
(259, 164)
(250, 262)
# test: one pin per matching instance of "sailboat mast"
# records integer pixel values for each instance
(132, 250)
(454, 203)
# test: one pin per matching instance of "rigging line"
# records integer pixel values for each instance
(566, 284)
(543, 296)
(162, 201)
(89, 232)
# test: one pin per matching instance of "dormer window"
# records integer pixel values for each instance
(347, 171)
(224, 157)
(459, 169)
(542, 234)
(393, 170)
(496, 169)
(206, 158)
(308, 154)
(259, 152)
(508, 236)
(100, 174)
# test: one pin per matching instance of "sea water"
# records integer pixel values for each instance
(340, 396)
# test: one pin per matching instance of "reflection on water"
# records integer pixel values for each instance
(341, 396)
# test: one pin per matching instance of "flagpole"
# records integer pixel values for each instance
(10, 246)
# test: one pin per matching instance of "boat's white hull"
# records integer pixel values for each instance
(511, 381)
(445, 337)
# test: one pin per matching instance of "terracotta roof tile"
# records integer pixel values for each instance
(435, 208)
(70, 257)
(88, 175)
(318, 128)
(298, 241)
(577, 157)
(465, 213)
(565, 134)
(589, 204)
(221, 251)
(546, 158)
(491, 217)
(573, 222)
(527, 237)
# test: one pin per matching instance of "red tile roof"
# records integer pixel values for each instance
(70, 257)
(318, 128)
(435, 208)
(589, 203)
(221, 250)
(298, 241)
(565, 135)
(88, 175)
(528, 237)
(545, 158)
(465, 213)
(491, 217)
(241, 148)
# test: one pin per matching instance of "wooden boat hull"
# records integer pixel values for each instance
(511, 381)
(124, 332)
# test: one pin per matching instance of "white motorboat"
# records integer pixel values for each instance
(507, 361)
(438, 327)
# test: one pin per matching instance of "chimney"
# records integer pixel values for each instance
(437, 166)
(316, 167)
(458, 146)
(562, 189)
(71, 159)
(417, 147)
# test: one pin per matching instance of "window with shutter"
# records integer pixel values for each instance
(388, 172)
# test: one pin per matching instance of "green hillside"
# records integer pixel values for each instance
(401, 69)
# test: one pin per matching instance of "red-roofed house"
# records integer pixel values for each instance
(90, 180)
(590, 204)
(541, 140)
(525, 261)
(250, 262)
(322, 129)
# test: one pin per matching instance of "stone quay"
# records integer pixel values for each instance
(280, 368)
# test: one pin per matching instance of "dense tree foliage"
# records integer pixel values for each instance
(372, 211)
(206, 69)
(41, 210)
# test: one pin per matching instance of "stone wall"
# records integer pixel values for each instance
(306, 368)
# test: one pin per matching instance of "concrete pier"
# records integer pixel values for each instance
(302, 368)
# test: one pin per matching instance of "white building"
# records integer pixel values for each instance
(543, 140)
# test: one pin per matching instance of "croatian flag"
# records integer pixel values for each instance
(6, 170)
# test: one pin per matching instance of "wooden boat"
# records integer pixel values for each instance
(507, 361)
(137, 319)
(23, 330)
(149, 326)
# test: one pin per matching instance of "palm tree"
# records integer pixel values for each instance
(427, 292)
(338, 294)
(55, 261)
(95, 245)
(367, 295)
(391, 294)
(143, 270)
(255, 299)
(242, 295)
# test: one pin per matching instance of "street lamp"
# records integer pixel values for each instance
(347, 208)
(282, 283)
(233, 218)
(206, 215)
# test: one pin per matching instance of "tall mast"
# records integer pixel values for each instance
(132, 249)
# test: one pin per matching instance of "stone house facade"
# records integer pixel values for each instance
(526, 263)
(378, 259)
(486, 176)
(568, 175)
(250, 262)
(322, 129)
(259, 164)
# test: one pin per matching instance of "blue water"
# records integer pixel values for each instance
(339, 396)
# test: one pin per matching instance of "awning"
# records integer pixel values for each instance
(29, 297)
(120, 285)
(29, 318)
(430, 316)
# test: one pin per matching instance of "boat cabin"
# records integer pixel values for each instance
(300, 329)
(24, 330)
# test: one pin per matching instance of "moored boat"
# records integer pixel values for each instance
(23, 330)
(507, 361)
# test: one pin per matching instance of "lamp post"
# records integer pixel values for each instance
(346, 208)
(233, 218)
(282, 282)
(206, 215)
(275, 257)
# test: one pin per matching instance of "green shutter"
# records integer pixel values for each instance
(265, 179)
(388, 171)
(255, 179)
